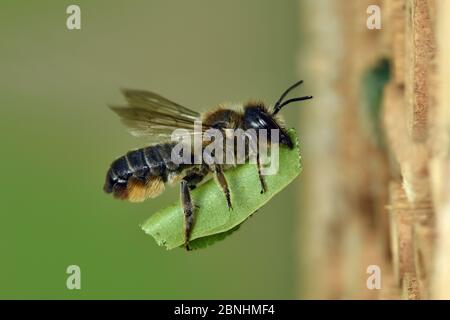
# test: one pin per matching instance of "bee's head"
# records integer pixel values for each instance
(257, 116)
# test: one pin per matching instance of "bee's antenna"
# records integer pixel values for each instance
(278, 108)
(280, 104)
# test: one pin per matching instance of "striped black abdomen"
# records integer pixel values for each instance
(142, 164)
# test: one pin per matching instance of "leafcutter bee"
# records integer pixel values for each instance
(143, 173)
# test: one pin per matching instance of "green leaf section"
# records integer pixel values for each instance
(204, 242)
(213, 220)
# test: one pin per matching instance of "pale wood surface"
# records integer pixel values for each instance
(369, 204)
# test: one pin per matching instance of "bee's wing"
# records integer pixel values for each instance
(154, 102)
(151, 115)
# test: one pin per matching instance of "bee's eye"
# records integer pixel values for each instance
(254, 118)
(257, 123)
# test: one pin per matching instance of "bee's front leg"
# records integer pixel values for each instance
(188, 208)
(261, 177)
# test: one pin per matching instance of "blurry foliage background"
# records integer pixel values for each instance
(58, 139)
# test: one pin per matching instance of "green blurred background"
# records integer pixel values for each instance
(58, 139)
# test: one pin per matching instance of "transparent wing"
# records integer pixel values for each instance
(151, 115)
(155, 102)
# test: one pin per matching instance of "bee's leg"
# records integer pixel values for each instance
(188, 183)
(188, 208)
(223, 183)
(261, 177)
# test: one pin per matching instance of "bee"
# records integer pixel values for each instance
(143, 173)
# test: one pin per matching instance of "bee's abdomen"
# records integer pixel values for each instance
(141, 173)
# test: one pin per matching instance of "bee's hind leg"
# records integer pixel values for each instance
(188, 209)
(188, 183)
(218, 171)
